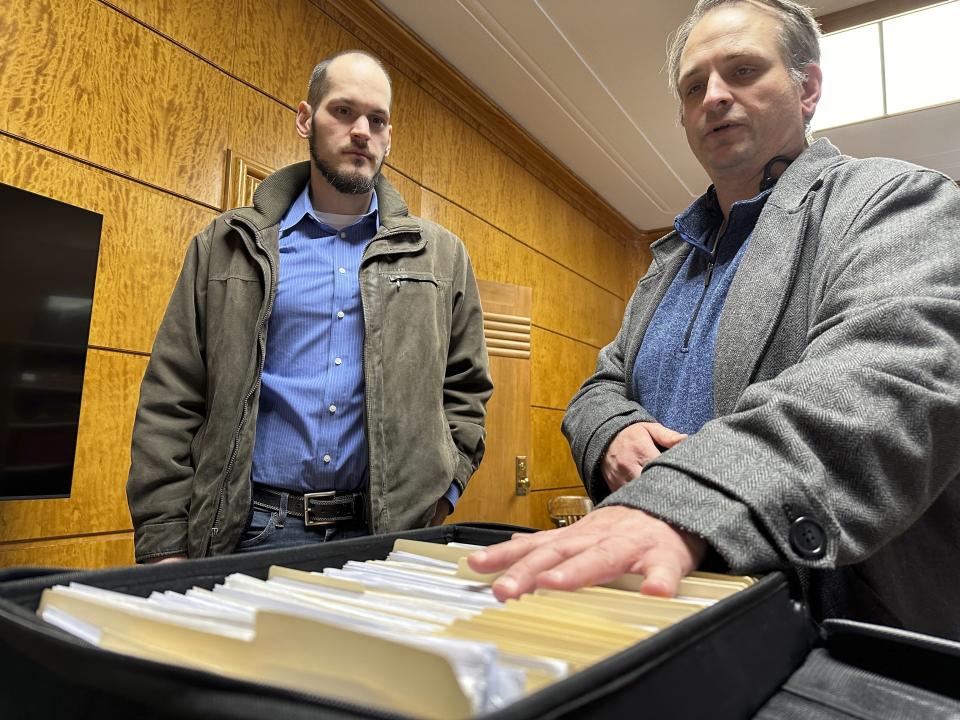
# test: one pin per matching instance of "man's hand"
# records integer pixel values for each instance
(634, 447)
(170, 559)
(602, 546)
(444, 508)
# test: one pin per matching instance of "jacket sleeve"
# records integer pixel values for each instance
(859, 435)
(467, 385)
(603, 406)
(172, 409)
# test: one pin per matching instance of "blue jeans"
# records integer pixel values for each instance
(272, 529)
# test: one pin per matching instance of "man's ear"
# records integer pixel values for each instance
(810, 90)
(304, 119)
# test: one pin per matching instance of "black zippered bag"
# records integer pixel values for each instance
(724, 662)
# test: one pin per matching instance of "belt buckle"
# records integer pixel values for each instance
(307, 521)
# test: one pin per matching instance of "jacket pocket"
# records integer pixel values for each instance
(416, 312)
(410, 278)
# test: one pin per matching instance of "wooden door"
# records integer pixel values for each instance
(491, 495)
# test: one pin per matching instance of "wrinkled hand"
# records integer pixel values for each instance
(634, 447)
(604, 545)
(444, 508)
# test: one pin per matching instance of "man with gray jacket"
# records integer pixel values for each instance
(784, 392)
(320, 372)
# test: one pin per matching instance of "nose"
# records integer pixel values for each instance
(361, 128)
(717, 94)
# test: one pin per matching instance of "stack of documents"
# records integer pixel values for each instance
(417, 633)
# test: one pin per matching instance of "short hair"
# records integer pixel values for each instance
(320, 82)
(799, 36)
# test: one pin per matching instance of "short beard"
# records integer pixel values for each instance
(348, 183)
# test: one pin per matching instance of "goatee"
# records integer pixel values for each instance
(349, 183)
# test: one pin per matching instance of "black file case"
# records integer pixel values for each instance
(726, 661)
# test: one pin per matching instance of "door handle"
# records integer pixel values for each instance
(522, 477)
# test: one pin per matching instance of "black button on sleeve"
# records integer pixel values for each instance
(808, 539)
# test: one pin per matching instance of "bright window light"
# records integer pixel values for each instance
(920, 52)
(853, 79)
(918, 67)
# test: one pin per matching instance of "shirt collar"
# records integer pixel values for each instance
(301, 207)
(697, 223)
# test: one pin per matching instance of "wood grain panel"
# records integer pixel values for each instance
(560, 365)
(97, 501)
(91, 552)
(408, 116)
(197, 24)
(407, 188)
(590, 251)
(552, 465)
(539, 517)
(83, 78)
(468, 170)
(279, 42)
(142, 243)
(263, 130)
(562, 301)
(42, 59)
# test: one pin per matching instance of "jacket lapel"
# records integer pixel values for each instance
(755, 303)
(764, 281)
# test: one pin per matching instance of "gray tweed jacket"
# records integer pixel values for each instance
(834, 448)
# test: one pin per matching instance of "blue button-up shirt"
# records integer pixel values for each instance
(310, 428)
(673, 373)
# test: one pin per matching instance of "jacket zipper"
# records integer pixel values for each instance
(215, 527)
(363, 364)
(707, 277)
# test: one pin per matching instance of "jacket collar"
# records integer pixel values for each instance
(278, 191)
(803, 173)
(764, 282)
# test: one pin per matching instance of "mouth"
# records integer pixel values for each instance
(721, 128)
(357, 153)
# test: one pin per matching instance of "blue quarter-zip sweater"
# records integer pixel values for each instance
(673, 373)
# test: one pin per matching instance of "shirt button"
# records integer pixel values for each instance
(808, 538)
(342, 270)
(337, 361)
(326, 458)
(340, 315)
(333, 408)
(343, 235)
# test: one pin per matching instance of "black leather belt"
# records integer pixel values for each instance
(316, 509)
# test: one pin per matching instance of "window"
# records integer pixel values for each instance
(902, 63)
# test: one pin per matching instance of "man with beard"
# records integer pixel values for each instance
(320, 372)
(784, 392)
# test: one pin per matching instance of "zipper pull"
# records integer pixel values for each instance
(397, 281)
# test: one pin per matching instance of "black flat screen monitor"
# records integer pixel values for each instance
(48, 262)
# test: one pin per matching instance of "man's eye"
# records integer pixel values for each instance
(344, 111)
(377, 121)
(744, 71)
(693, 89)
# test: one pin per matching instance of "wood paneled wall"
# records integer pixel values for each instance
(128, 107)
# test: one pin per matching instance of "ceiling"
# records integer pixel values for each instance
(586, 80)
